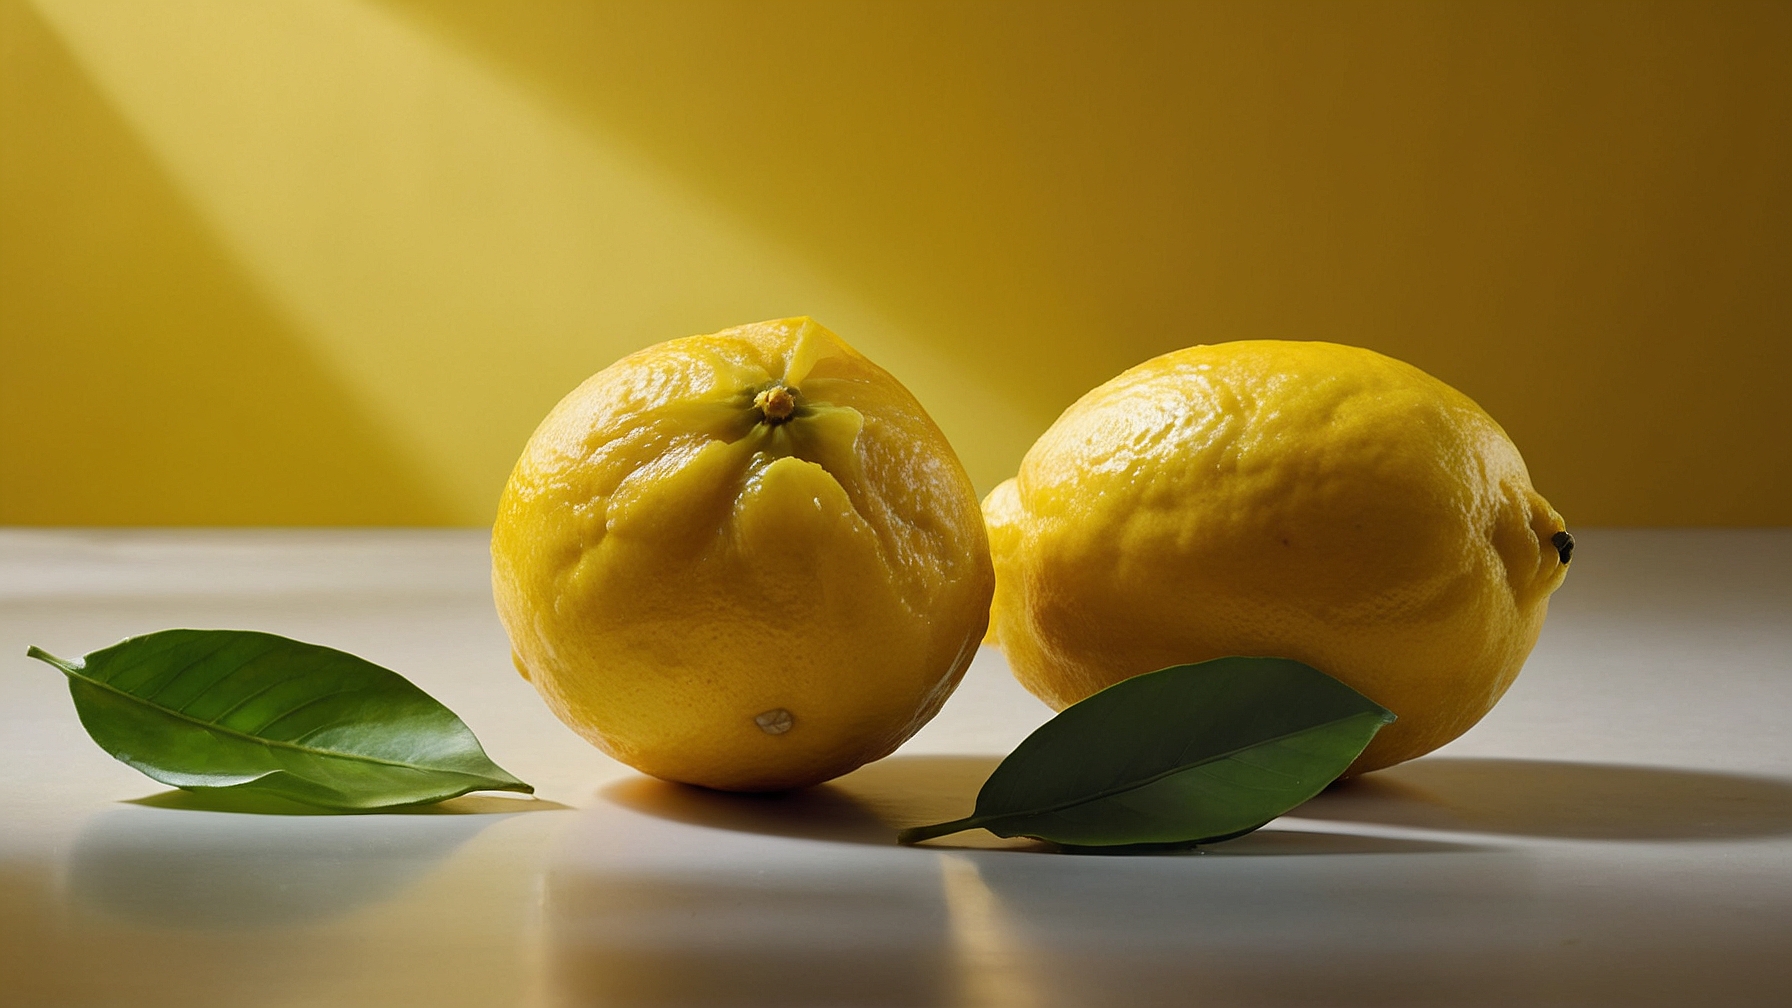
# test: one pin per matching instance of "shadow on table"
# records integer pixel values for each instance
(265, 804)
(1541, 798)
(872, 804)
(867, 806)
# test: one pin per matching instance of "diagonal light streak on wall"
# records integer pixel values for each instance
(459, 255)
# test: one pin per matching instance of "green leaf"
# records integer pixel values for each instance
(1185, 755)
(238, 710)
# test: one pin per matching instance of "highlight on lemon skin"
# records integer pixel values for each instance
(747, 560)
(1302, 500)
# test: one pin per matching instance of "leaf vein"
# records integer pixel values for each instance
(276, 743)
(219, 720)
(227, 676)
(311, 702)
(183, 670)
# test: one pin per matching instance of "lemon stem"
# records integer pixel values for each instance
(776, 403)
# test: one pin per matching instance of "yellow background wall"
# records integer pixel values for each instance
(328, 261)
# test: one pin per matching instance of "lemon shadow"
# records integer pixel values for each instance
(874, 803)
(868, 806)
(1547, 798)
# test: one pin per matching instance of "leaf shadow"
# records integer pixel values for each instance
(1272, 842)
(872, 804)
(249, 802)
(1547, 798)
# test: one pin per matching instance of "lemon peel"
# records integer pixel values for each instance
(747, 560)
(1302, 500)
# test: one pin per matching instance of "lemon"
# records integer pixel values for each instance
(1296, 499)
(747, 560)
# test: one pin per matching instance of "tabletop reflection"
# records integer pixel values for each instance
(205, 869)
(805, 899)
(647, 911)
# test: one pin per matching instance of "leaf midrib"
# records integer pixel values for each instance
(76, 672)
(977, 820)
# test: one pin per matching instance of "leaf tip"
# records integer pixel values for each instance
(507, 781)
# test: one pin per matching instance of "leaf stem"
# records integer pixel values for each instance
(68, 668)
(916, 834)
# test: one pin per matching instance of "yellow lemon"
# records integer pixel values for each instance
(1304, 500)
(748, 560)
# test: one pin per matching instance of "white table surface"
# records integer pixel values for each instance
(1617, 832)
